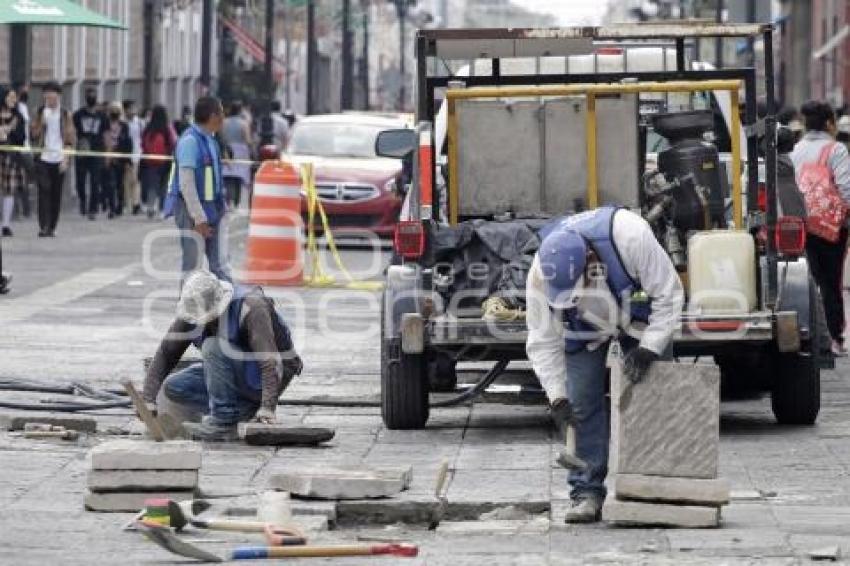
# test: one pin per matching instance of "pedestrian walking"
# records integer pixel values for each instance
(184, 122)
(90, 124)
(822, 166)
(236, 135)
(158, 138)
(280, 126)
(248, 359)
(132, 184)
(196, 193)
(117, 140)
(27, 159)
(586, 265)
(12, 176)
(53, 131)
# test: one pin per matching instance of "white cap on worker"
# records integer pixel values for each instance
(844, 124)
(204, 297)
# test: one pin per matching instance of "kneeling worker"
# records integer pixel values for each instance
(248, 359)
(580, 296)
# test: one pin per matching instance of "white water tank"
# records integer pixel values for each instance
(721, 272)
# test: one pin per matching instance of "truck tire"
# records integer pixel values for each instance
(404, 389)
(795, 398)
(442, 373)
(404, 386)
(796, 391)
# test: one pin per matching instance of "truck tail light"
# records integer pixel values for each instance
(762, 197)
(426, 173)
(409, 239)
(791, 236)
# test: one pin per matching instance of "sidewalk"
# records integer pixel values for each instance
(78, 317)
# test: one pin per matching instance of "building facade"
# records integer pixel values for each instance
(113, 61)
(830, 53)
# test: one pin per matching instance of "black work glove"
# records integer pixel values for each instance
(562, 415)
(637, 363)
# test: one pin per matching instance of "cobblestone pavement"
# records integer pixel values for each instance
(77, 314)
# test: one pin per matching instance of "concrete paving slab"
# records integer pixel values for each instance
(146, 455)
(484, 527)
(630, 513)
(142, 480)
(667, 425)
(671, 490)
(15, 421)
(360, 483)
(129, 502)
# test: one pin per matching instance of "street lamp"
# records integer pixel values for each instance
(267, 148)
(402, 9)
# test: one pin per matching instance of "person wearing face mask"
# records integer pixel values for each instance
(117, 140)
(91, 125)
(132, 186)
(598, 276)
(27, 159)
(12, 177)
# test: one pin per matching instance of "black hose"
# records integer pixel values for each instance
(477, 389)
(64, 407)
(71, 407)
(9, 386)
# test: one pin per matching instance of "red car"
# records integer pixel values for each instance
(359, 191)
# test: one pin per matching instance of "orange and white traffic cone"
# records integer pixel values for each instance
(275, 255)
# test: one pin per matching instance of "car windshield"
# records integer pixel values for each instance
(335, 139)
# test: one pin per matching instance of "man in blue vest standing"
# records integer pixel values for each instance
(196, 193)
(598, 276)
(247, 352)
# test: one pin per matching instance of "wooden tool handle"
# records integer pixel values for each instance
(251, 552)
(233, 526)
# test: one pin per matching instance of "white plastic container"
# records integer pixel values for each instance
(274, 508)
(722, 272)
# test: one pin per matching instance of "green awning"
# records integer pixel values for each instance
(52, 13)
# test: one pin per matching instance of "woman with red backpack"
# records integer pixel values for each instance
(158, 138)
(822, 167)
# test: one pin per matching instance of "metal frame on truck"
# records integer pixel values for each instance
(782, 333)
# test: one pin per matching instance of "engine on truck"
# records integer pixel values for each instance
(685, 193)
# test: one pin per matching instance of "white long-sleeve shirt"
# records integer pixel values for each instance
(646, 262)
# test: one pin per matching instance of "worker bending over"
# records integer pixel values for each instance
(593, 274)
(248, 359)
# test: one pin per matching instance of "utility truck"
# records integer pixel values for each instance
(565, 120)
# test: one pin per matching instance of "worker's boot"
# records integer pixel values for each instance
(211, 429)
(584, 510)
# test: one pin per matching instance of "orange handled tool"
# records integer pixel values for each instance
(255, 552)
(284, 536)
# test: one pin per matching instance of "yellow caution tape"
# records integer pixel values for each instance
(316, 276)
(110, 154)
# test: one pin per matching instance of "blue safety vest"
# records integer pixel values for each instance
(207, 179)
(597, 228)
(251, 368)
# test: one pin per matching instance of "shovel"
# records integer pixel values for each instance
(163, 537)
(170, 542)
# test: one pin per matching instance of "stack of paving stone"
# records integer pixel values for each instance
(124, 473)
(664, 451)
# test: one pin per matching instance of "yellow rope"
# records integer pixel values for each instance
(316, 276)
